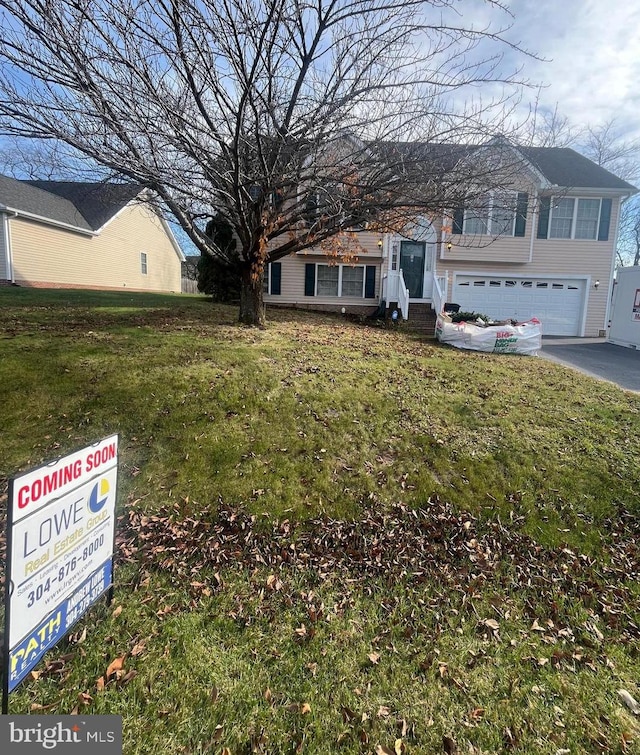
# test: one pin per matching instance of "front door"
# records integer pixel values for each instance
(412, 255)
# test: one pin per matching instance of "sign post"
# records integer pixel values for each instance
(60, 543)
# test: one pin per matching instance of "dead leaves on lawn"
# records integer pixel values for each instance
(432, 542)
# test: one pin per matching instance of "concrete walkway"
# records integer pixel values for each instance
(597, 358)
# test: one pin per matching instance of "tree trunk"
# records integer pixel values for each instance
(251, 302)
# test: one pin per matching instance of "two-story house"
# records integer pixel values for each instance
(544, 247)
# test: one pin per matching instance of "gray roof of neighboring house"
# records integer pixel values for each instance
(87, 206)
(19, 195)
(566, 167)
(97, 202)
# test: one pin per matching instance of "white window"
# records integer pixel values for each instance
(143, 263)
(395, 251)
(503, 213)
(587, 217)
(327, 280)
(493, 215)
(352, 281)
(574, 218)
(266, 279)
(340, 280)
(476, 219)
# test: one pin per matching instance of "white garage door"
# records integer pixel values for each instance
(557, 302)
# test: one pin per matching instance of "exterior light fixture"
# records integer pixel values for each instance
(343, 310)
(379, 243)
(596, 284)
(449, 245)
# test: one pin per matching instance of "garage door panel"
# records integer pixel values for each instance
(557, 303)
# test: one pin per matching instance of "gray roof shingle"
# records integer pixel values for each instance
(566, 167)
(561, 166)
(87, 206)
(97, 202)
(19, 195)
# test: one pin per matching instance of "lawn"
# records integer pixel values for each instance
(334, 537)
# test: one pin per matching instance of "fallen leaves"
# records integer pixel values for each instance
(114, 667)
(430, 541)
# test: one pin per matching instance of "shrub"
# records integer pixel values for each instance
(468, 317)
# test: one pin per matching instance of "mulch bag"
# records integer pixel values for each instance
(501, 338)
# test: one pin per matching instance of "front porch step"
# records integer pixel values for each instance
(422, 318)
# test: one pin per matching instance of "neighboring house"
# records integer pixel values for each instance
(548, 251)
(85, 235)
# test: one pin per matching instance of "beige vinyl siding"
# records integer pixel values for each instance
(508, 249)
(505, 249)
(366, 246)
(47, 255)
(561, 258)
(293, 268)
(292, 284)
(4, 272)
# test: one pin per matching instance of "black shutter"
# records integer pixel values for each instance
(276, 278)
(458, 220)
(521, 213)
(311, 208)
(310, 279)
(605, 220)
(370, 282)
(543, 218)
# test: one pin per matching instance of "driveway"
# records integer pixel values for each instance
(596, 357)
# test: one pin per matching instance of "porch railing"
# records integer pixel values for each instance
(403, 296)
(439, 293)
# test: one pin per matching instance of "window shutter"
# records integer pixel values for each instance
(370, 282)
(458, 220)
(310, 279)
(521, 213)
(276, 278)
(605, 220)
(543, 218)
(311, 208)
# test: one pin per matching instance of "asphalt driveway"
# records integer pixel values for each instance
(596, 357)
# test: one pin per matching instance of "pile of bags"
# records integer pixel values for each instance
(501, 338)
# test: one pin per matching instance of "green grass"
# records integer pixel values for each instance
(315, 416)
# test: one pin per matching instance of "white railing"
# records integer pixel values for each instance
(403, 296)
(439, 293)
(391, 287)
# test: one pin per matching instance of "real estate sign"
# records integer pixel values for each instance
(60, 534)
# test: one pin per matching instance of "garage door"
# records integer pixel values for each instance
(557, 302)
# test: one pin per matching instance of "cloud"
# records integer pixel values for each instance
(592, 65)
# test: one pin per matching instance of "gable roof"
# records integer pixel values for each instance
(96, 202)
(560, 166)
(31, 200)
(79, 205)
(565, 167)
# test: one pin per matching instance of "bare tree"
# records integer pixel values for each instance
(275, 114)
(608, 146)
(46, 160)
(547, 127)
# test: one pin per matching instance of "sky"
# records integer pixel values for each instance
(591, 56)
